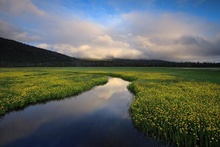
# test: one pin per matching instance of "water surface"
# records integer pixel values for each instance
(98, 117)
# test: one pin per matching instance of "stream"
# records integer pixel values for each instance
(98, 117)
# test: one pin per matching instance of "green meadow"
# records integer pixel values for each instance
(172, 104)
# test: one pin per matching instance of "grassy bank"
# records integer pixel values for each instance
(185, 111)
(24, 86)
(177, 105)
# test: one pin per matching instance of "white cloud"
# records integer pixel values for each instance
(74, 30)
(163, 36)
(44, 46)
(25, 37)
(170, 36)
(100, 48)
(146, 34)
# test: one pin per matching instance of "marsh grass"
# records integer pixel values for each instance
(176, 105)
(21, 88)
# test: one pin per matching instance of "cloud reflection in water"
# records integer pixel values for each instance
(97, 117)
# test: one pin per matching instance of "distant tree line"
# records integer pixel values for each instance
(112, 63)
(16, 54)
(144, 63)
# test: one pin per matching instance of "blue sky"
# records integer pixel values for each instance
(175, 30)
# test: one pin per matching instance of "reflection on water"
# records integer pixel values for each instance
(98, 117)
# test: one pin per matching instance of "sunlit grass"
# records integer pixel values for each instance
(184, 112)
(177, 105)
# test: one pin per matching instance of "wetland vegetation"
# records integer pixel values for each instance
(173, 104)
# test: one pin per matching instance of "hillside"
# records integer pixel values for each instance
(13, 53)
(16, 54)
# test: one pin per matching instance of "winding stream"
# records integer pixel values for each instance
(98, 117)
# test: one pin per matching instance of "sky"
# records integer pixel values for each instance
(173, 30)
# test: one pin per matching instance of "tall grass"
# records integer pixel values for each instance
(187, 113)
(20, 88)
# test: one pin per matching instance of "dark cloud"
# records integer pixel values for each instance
(20, 7)
(7, 30)
(199, 46)
(10, 31)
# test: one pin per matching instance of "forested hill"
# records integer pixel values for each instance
(16, 54)
(13, 53)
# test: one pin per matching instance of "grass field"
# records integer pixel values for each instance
(177, 105)
(24, 86)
